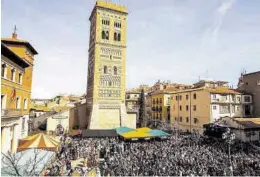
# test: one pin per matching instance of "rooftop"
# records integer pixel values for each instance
(5, 51)
(15, 41)
(112, 6)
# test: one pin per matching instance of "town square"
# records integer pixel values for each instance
(130, 88)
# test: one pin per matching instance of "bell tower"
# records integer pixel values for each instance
(106, 67)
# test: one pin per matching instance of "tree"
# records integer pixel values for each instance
(142, 109)
(18, 164)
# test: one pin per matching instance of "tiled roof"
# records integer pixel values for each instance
(222, 90)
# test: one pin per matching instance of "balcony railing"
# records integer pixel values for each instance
(11, 112)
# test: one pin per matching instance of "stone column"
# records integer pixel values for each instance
(15, 138)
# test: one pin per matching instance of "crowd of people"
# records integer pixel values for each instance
(180, 155)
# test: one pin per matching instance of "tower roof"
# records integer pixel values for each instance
(108, 5)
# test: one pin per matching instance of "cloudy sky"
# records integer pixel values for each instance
(177, 40)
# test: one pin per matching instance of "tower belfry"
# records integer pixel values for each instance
(106, 67)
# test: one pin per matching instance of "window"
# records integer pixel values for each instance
(105, 22)
(258, 83)
(214, 96)
(194, 96)
(117, 36)
(25, 104)
(196, 120)
(110, 83)
(20, 78)
(115, 70)
(224, 109)
(160, 109)
(105, 34)
(187, 97)
(117, 24)
(187, 119)
(180, 119)
(157, 101)
(194, 107)
(246, 83)
(180, 108)
(13, 74)
(105, 69)
(160, 100)
(3, 104)
(17, 103)
(180, 97)
(238, 108)
(176, 97)
(23, 124)
(187, 107)
(175, 118)
(247, 99)
(238, 99)
(214, 107)
(3, 72)
(160, 116)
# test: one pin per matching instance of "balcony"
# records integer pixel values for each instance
(11, 112)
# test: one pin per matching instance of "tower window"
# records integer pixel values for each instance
(119, 37)
(115, 70)
(105, 34)
(105, 22)
(105, 69)
(115, 36)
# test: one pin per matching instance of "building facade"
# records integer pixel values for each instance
(106, 68)
(250, 84)
(161, 106)
(17, 60)
(192, 108)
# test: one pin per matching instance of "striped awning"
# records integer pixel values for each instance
(39, 141)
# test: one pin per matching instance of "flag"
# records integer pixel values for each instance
(13, 95)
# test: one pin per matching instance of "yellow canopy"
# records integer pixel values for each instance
(39, 141)
(144, 129)
(136, 134)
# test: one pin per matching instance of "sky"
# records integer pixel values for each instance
(176, 40)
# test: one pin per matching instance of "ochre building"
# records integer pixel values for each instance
(17, 58)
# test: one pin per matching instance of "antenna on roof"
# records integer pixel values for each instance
(14, 35)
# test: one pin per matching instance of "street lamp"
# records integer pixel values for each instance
(229, 137)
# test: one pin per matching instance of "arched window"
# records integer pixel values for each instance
(119, 37)
(115, 36)
(105, 69)
(103, 35)
(115, 70)
(107, 35)
(3, 70)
